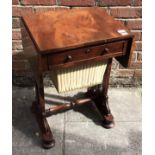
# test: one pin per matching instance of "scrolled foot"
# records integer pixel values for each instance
(48, 144)
(108, 121)
(48, 140)
(46, 135)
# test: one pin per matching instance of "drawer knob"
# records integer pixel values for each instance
(68, 58)
(106, 50)
(87, 51)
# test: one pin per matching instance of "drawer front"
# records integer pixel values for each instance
(108, 49)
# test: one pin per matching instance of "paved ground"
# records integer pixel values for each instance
(79, 132)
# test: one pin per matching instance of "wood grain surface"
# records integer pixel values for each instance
(64, 29)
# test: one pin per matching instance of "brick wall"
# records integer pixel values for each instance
(128, 11)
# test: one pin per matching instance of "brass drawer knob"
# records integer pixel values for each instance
(106, 50)
(68, 58)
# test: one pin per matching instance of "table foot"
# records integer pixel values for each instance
(46, 133)
(108, 121)
(47, 140)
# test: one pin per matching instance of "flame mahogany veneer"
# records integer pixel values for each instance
(66, 38)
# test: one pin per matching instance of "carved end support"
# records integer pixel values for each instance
(101, 101)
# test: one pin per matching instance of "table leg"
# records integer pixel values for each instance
(38, 107)
(101, 98)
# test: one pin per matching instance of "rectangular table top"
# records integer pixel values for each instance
(66, 29)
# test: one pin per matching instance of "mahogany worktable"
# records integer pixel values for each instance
(66, 38)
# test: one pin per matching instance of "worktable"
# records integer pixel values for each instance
(62, 39)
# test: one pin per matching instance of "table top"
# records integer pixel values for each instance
(65, 29)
